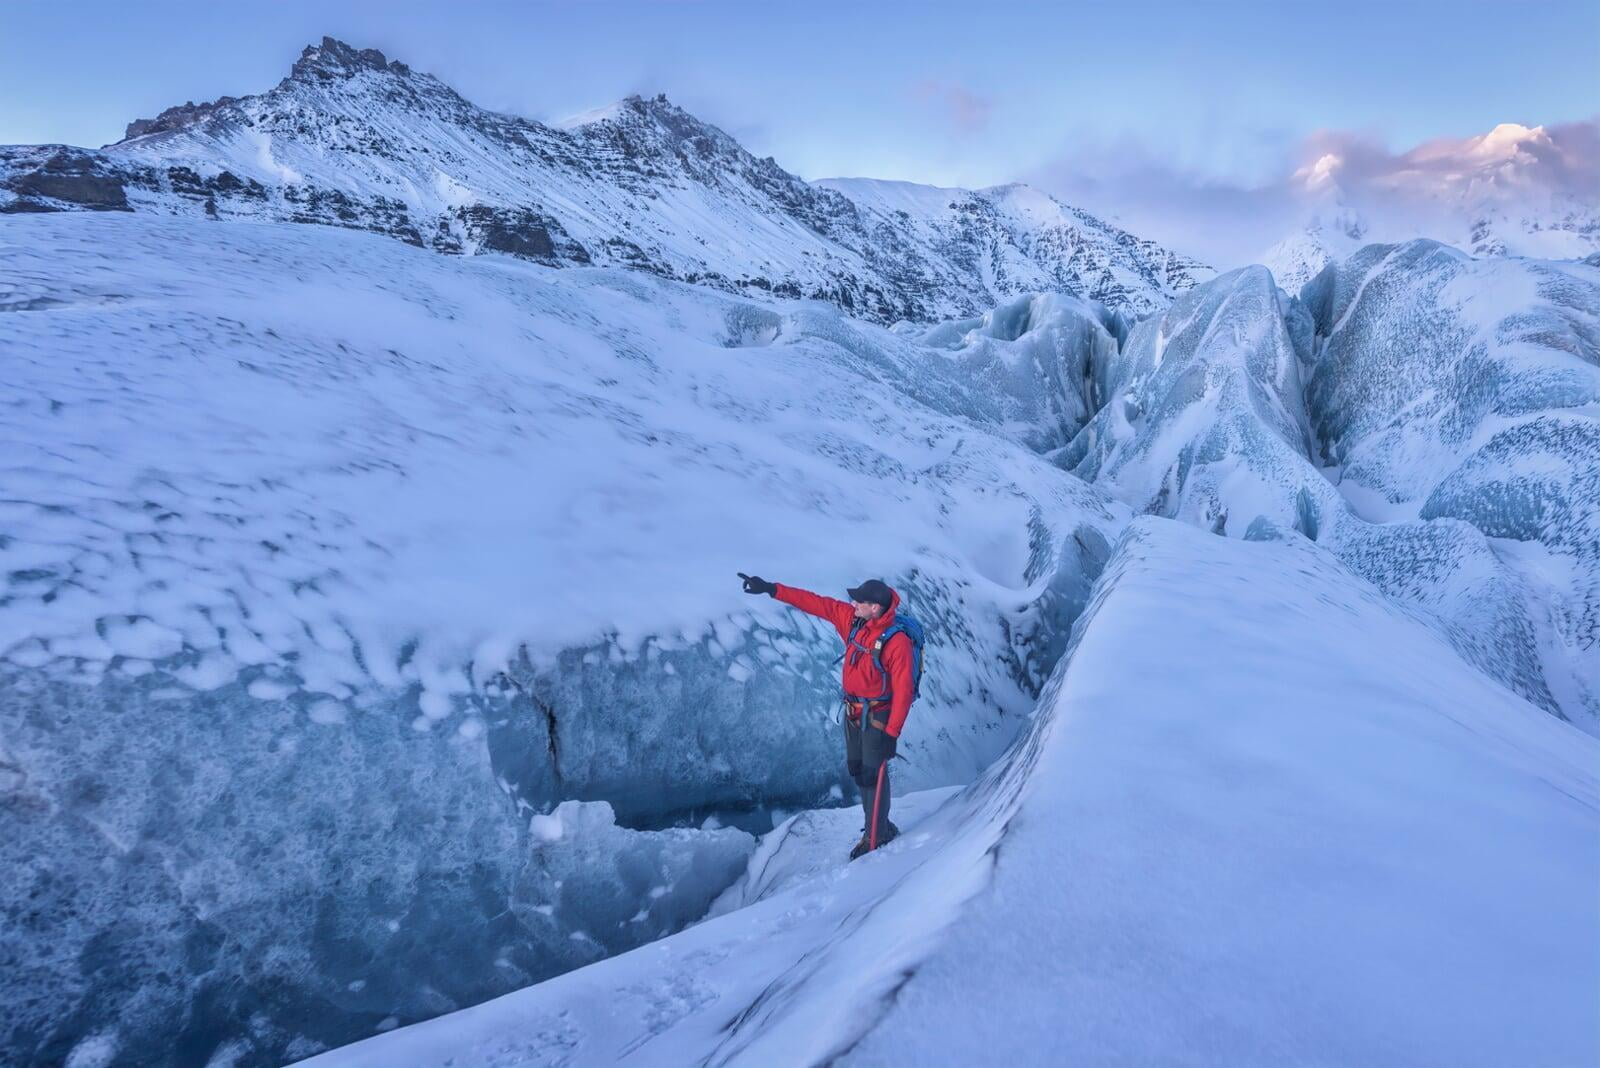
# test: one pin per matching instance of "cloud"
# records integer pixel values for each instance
(1510, 160)
(964, 110)
(1429, 187)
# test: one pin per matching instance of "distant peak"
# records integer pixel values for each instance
(663, 120)
(648, 103)
(635, 104)
(658, 107)
(335, 59)
(175, 118)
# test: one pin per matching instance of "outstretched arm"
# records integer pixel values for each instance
(839, 613)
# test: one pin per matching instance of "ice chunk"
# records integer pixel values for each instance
(605, 889)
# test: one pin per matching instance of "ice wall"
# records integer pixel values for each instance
(1035, 360)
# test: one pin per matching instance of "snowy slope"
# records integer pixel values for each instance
(1206, 850)
(1302, 255)
(332, 564)
(353, 139)
(1018, 239)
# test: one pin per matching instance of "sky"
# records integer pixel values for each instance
(1129, 108)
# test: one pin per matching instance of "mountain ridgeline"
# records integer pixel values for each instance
(355, 140)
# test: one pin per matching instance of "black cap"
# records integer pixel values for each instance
(873, 591)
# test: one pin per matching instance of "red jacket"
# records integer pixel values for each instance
(861, 675)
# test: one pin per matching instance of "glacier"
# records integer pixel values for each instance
(1359, 416)
(333, 566)
(370, 648)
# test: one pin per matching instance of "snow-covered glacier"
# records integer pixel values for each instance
(1445, 387)
(333, 565)
(1204, 850)
(370, 646)
(1427, 416)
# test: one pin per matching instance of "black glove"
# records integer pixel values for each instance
(758, 585)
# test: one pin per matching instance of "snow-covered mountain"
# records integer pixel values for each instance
(1014, 238)
(352, 139)
(1301, 256)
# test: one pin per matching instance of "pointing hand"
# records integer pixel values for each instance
(758, 585)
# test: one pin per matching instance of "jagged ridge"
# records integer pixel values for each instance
(353, 139)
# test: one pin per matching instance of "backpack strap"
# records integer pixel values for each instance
(897, 627)
(851, 642)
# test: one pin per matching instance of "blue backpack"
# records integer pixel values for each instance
(911, 628)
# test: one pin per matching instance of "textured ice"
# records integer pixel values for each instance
(591, 888)
(1200, 415)
(1034, 357)
(1447, 387)
(330, 563)
(1351, 419)
(1426, 354)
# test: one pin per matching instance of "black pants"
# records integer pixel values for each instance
(867, 751)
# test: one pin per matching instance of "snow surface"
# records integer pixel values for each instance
(1244, 844)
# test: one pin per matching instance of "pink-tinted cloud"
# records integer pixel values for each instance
(967, 112)
(1509, 161)
(1425, 189)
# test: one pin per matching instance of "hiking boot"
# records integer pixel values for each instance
(864, 846)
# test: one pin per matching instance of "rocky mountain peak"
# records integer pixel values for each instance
(176, 117)
(657, 110)
(334, 59)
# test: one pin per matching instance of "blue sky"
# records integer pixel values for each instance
(1223, 93)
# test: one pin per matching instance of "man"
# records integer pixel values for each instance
(879, 684)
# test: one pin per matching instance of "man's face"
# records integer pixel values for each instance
(868, 609)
